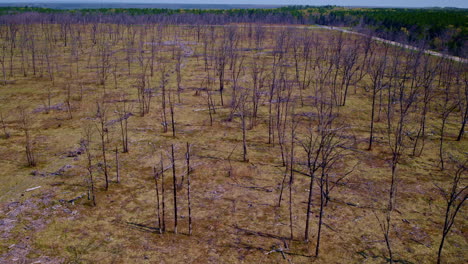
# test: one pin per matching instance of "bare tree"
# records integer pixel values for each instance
(101, 116)
(3, 48)
(124, 113)
(163, 83)
(163, 203)
(85, 144)
(171, 108)
(174, 185)
(464, 107)
(401, 98)
(145, 93)
(6, 134)
(455, 196)
(209, 98)
(178, 69)
(68, 101)
(237, 69)
(242, 100)
(187, 157)
(156, 177)
(103, 63)
(26, 127)
(221, 60)
(312, 145)
(377, 73)
(259, 35)
(291, 175)
(425, 79)
(349, 70)
(331, 148)
(447, 107)
(258, 81)
(117, 165)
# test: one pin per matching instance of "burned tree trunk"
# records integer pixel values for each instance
(117, 165)
(85, 144)
(188, 189)
(163, 203)
(174, 183)
(25, 122)
(102, 129)
(156, 176)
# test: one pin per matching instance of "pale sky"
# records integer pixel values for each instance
(393, 3)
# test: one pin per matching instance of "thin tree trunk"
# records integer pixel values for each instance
(171, 105)
(103, 144)
(462, 128)
(441, 154)
(371, 136)
(309, 201)
(244, 140)
(157, 198)
(291, 180)
(282, 187)
(163, 204)
(117, 165)
(317, 247)
(188, 190)
(175, 187)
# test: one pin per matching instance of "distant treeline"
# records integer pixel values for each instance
(442, 29)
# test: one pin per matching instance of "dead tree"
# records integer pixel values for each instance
(85, 144)
(163, 203)
(102, 129)
(221, 60)
(124, 113)
(163, 82)
(145, 93)
(291, 176)
(209, 98)
(171, 108)
(302, 55)
(33, 48)
(117, 165)
(68, 101)
(6, 135)
(312, 145)
(277, 58)
(258, 80)
(26, 127)
(283, 106)
(455, 196)
(178, 69)
(377, 73)
(242, 100)
(349, 69)
(187, 157)
(3, 62)
(332, 145)
(259, 36)
(103, 63)
(401, 98)
(464, 108)
(156, 177)
(237, 70)
(174, 185)
(425, 79)
(447, 107)
(285, 176)
(336, 60)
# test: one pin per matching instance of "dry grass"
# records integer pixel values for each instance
(235, 214)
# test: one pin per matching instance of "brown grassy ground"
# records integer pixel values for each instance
(235, 216)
